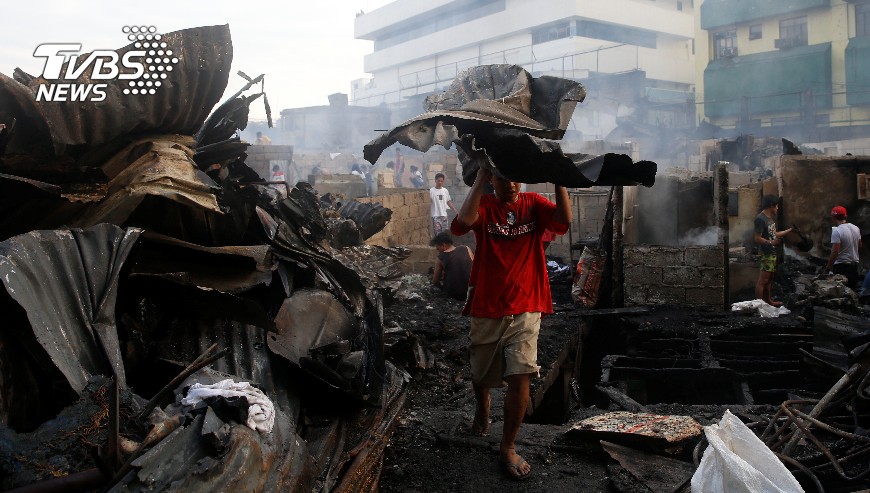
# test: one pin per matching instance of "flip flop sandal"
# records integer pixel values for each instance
(513, 469)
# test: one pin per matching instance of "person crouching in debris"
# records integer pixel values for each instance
(452, 267)
(508, 292)
(767, 238)
(845, 243)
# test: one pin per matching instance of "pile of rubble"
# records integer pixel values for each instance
(172, 322)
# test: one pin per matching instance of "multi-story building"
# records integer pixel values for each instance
(791, 68)
(634, 56)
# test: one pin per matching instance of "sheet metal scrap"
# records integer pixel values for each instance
(152, 167)
(501, 117)
(205, 55)
(222, 287)
(66, 281)
(369, 218)
(622, 427)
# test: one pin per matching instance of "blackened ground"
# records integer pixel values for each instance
(431, 451)
(440, 403)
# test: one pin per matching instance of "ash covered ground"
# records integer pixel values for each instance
(440, 401)
(431, 449)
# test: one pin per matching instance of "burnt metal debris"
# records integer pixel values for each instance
(140, 255)
(502, 118)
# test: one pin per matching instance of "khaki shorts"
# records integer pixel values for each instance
(505, 346)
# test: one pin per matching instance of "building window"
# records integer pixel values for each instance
(725, 44)
(680, 6)
(862, 19)
(617, 34)
(755, 31)
(794, 29)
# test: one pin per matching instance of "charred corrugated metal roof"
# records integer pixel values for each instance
(181, 104)
(224, 258)
(502, 118)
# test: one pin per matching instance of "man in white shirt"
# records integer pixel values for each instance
(845, 243)
(440, 203)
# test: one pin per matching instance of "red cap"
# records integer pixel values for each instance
(838, 211)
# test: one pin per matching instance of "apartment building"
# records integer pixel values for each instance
(796, 68)
(634, 56)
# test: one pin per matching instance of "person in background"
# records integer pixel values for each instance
(398, 168)
(845, 243)
(767, 238)
(508, 291)
(453, 266)
(438, 204)
(417, 177)
(278, 176)
(262, 140)
(369, 177)
(355, 170)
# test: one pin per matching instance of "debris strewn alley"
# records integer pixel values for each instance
(184, 310)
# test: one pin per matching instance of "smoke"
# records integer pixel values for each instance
(708, 236)
(795, 255)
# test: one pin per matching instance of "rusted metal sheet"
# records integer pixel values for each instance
(160, 168)
(500, 117)
(198, 80)
(66, 280)
(244, 461)
(668, 429)
(483, 98)
(229, 269)
(202, 278)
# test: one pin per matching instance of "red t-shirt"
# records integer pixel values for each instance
(509, 273)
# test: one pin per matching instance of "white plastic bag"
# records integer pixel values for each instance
(738, 462)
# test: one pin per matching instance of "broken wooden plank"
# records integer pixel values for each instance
(621, 399)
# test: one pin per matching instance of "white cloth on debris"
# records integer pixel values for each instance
(261, 411)
(764, 309)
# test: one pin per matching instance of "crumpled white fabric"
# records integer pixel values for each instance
(764, 309)
(261, 411)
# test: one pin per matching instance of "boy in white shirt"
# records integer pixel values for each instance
(439, 204)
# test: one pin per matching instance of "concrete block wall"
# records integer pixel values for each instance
(588, 209)
(410, 223)
(422, 259)
(261, 157)
(660, 275)
(347, 185)
(329, 163)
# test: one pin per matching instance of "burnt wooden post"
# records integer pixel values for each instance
(618, 291)
(720, 201)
